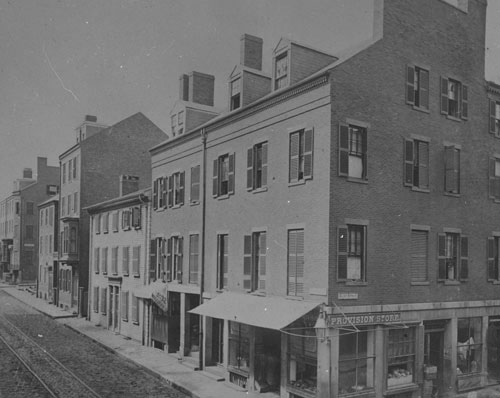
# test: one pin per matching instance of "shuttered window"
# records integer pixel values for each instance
(223, 175)
(135, 310)
(222, 261)
(494, 178)
(416, 164)
(352, 151)
(178, 188)
(104, 260)
(105, 223)
(104, 300)
(417, 86)
(452, 169)
(296, 262)
(124, 307)
(454, 98)
(495, 117)
(419, 252)
(257, 166)
(136, 260)
(126, 220)
(351, 253)
(114, 260)
(114, 219)
(254, 261)
(96, 299)
(97, 223)
(193, 258)
(301, 155)
(174, 256)
(453, 257)
(136, 217)
(96, 259)
(493, 257)
(125, 260)
(194, 196)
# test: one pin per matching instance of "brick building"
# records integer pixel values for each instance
(90, 173)
(48, 234)
(19, 221)
(338, 226)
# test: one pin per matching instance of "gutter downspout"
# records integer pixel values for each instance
(203, 227)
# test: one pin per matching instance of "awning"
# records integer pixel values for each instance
(265, 312)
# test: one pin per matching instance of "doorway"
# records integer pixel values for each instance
(434, 355)
(217, 341)
(493, 341)
(114, 308)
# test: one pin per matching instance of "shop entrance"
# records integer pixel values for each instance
(174, 322)
(434, 356)
(267, 366)
(217, 341)
(493, 341)
(192, 325)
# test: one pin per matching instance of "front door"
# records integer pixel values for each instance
(217, 341)
(434, 356)
(114, 308)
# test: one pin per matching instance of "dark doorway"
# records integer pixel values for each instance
(217, 341)
(434, 355)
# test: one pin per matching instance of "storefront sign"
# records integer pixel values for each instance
(362, 319)
(160, 300)
(348, 296)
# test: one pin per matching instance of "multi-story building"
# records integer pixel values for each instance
(48, 225)
(90, 173)
(19, 221)
(119, 247)
(339, 229)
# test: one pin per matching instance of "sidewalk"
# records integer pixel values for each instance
(182, 377)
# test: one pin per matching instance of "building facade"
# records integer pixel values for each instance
(90, 173)
(48, 250)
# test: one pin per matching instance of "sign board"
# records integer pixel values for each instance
(347, 296)
(160, 298)
(338, 320)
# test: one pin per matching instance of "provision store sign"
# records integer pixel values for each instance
(362, 319)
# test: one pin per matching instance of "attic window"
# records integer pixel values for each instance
(235, 94)
(281, 71)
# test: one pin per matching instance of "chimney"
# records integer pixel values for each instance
(251, 51)
(88, 128)
(27, 173)
(184, 87)
(90, 118)
(128, 184)
(201, 88)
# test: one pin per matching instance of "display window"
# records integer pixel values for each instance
(400, 357)
(239, 346)
(469, 345)
(356, 360)
(302, 359)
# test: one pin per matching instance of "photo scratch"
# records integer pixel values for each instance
(58, 77)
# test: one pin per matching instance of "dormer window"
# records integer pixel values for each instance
(180, 118)
(281, 71)
(173, 123)
(235, 94)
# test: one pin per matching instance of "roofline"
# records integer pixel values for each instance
(141, 196)
(69, 150)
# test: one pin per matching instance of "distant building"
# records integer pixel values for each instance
(19, 222)
(90, 173)
(48, 228)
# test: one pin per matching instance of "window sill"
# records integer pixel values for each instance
(222, 197)
(454, 118)
(137, 228)
(356, 283)
(137, 276)
(420, 109)
(176, 206)
(357, 180)
(194, 203)
(259, 190)
(423, 283)
(115, 230)
(135, 323)
(451, 283)
(160, 209)
(127, 274)
(417, 189)
(126, 228)
(494, 281)
(295, 183)
(105, 232)
(295, 298)
(452, 194)
(124, 320)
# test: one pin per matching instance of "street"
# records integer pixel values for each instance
(39, 357)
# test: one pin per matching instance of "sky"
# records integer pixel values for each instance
(63, 59)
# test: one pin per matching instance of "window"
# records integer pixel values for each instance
(495, 117)
(29, 233)
(75, 202)
(104, 260)
(257, 166)
(493, 258)
(41, 245)
(63, 206)
(135, 310)
(235, 94)
(194, 196)
(417, 86)
(296, 262)
(41, 217)
(494, 178)
(157, 257)
(453, 252)
(30, 208)
(104, 300)
(254, 261)
(352, 151)
(74, 167)
(47, 216)
(136, 260)
(351, 253)
(356, 360)
(451, 169)
(281, 71)
(52, 190)
(469, 345)
(97, 223)
(126, 220)
(73, 234)
(173, 123)
(416, 172)
(454, 98)
(125, 260)
(223, 176)
(96, 298)
(418, 252)
(300, 155)
(114, 221)
(180, 118)
(69, 201)
(239, 346)
(136, 217)
(114, 260)
(178, 189)
(105, 223)
(97, 251)
(400, 357)
(124, 306)
(70, 170)
(64, 173)
(222, 261)
(193, 258)
(174, 258)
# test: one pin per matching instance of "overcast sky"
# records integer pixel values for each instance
(63, 59)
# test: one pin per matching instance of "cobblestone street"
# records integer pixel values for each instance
(63, 363)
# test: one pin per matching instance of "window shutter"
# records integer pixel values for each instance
(441, 257)
(180, 256)
(247, 262)
(410, 84)
(164, 191)
(492, 117)
(249, 169)
(134, 309)
(225, 260)
(465, 102)
(342, 252)
(308, 153)
(215, 179)
(195, 184)
(155, 194)
(152, 259)
(294, 157)
(181, 183)
(299, 276)
(444, 96)
(136, 216)
(343, 150)
(104, 300)
(464, 258)
(424, 89)
(125, 260)
(451, 170)
(364, 141)
(96, 260)
(408, 166)
(136, 258)
(492, 266)
(423, 164)
(170, 191)
(230, 189)
(493, 191)
(292, 263)
(169, 259)
(262, 261)
(264, 164)
(114, 260)
(418, 270)
(124, 306)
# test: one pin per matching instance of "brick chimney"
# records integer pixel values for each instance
(201, 88)
(128, 184)
(251, 51)
(88, 128)
(27, 173)
(184, 87)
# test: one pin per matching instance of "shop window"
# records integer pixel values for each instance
(352, 151)
(469, 345)
(254, 261)
(453, 251)
(301, 156)
(222, 260)
(356, 361)
(239, 346)
(257, 166)
(400, 357)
